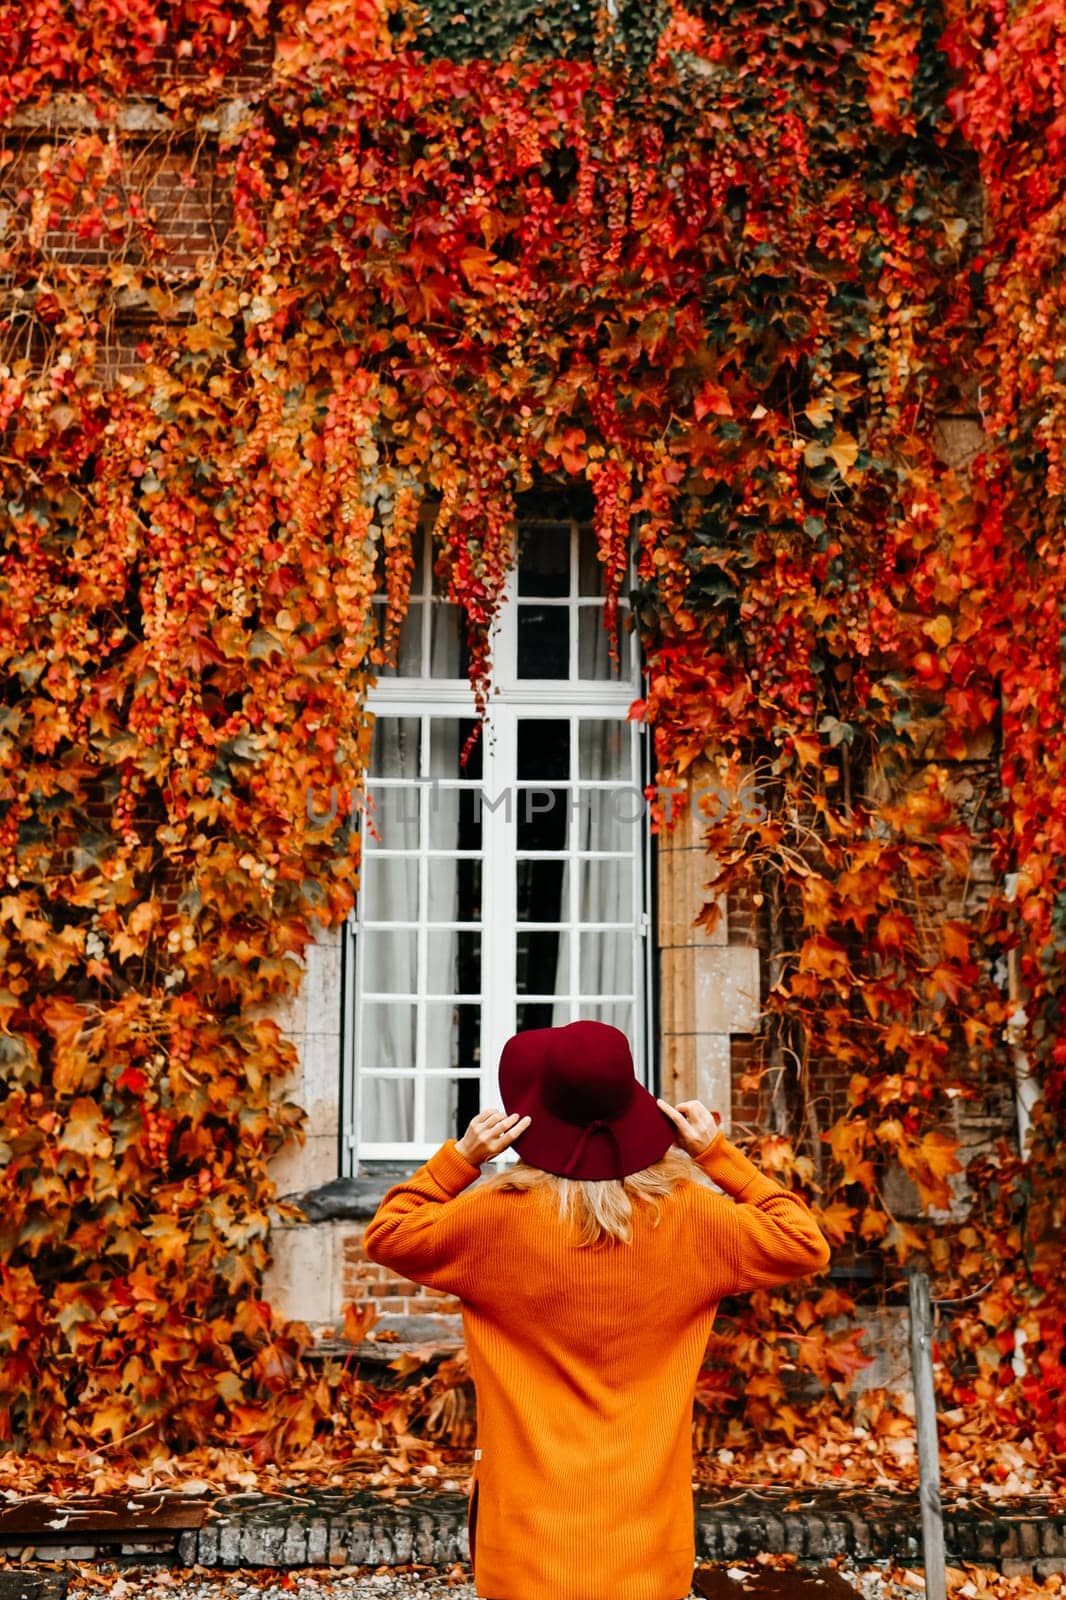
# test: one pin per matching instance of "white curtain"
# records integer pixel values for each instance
(601, 819)
(390, 891)
(387, 960)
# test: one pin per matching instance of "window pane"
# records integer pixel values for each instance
(387, 961)
(604, 749)
(543, 641)
(541, 817)
(453, 962)
(453, 1036)
(542, 1014)
(409, 647)
(608, 819)
(606, 962)
(420, 543)
(593, 646)
(454, 818)
(388, 1034)
(447, 735)
(388, 1110)
(450, 1104)
(542, 962)
(543, 747)
(544, 560)
(394, 747)
(539, 891)
(454, 890)
(393, 814)
(388, 891)
(445, 641)
(590, 568)
(617, 1013)
(606, 891)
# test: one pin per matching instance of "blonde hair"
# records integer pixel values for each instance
(604, 1210)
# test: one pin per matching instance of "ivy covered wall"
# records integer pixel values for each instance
(270, 276)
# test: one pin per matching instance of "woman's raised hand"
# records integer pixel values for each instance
(489, 1133)
(697, 1128)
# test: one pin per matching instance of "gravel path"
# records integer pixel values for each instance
(99, 1582)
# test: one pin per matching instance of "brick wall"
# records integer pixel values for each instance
(168, 166)
(390, 1293)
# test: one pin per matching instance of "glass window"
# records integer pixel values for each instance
(509, 894)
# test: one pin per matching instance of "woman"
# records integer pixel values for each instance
(589, 1276)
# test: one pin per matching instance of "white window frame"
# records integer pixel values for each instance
(512, 698)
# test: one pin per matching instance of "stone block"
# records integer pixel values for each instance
(230, 1544)
(1016, 1567)
(729, 1537)
(862, 1540)
(776, 1540)
(317, 1541)
(1027, 1539)
(188, 1554)
(795, 1534)
(676, 991)
(683, 876)
(322, 982)
(698, 1065)
(363, 1546)
(713, 1075)
(960, 1538)
(401, 1539)
(818, 1542)
(304, 1281)
(726, 989)
(297, 1168)
(1053, 1537)
(752, 1536)
(338, 1543)
(320, 1092)
(1048, 1566)
(206, 1545)
(838, 1536)
(263, 1543)
(294, 1549)
(289, 1011)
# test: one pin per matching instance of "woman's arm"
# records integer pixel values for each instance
(414, 1229)
(771, 1231)
(770, 1235)
(409, 1232)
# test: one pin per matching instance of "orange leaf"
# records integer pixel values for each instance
(358, 1321)
(85, 1132)
(836, 1220)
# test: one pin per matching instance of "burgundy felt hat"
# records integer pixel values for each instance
(590, 1116)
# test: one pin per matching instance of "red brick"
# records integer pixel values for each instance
(368, 1271)
(393, 1286)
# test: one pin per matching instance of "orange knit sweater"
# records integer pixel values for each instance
(585, 1361)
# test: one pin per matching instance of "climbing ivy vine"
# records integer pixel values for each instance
(733, 275)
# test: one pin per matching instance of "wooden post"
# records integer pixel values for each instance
(921, 1320)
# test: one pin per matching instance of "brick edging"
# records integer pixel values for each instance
(362, 1529)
